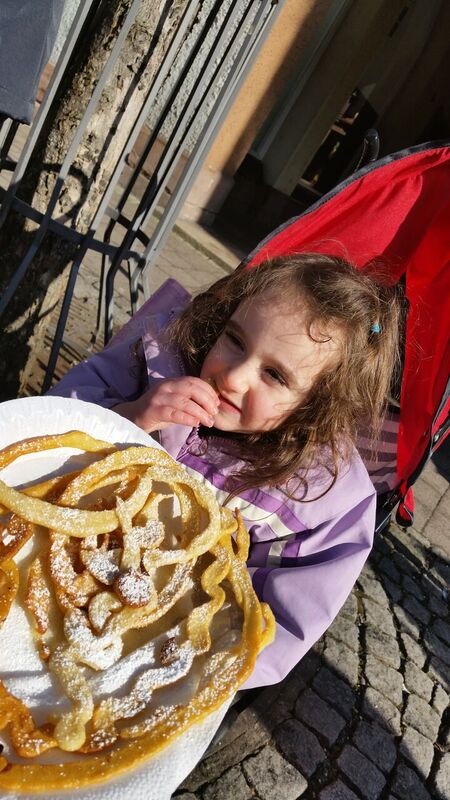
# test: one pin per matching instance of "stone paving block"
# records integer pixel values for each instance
(414, 650)
(418, 750)
(442, 629)
(369, 569)
(426, 496)
(383, 646)
(284, 708)
(393, 590)
(408, 786)
(254, 726)
(201, 272)
(418, 682)
(422, 717)
(337, 791)
(405, 564)
(383, 545)
(411, 543)
(298, 680)
(373, 589)
(342, 659)
(335, 691)
(444, 504)
(301, 748)
(312, 710)
(245, 721)
(375, 557)
(247, 734)
(439, 672)
(407, 621)
(387, 566)
(229, 786)
(441, 548)
(416, 609)
(412, 586)
(439, 606)
(309, 665)
(385, 679)
(270, 706)
(437, 647)
(381, 710)
(433, 477)
(441, 570)
(442, 780)
(318, 647)
(434, 586)
(376, 744)
(361, 772)
(272, 776)
(350, 607)
(421, 516)
(344, 630)
(440, 700)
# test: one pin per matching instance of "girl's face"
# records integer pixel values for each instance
(265, 362)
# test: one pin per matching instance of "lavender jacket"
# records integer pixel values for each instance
(304, 557)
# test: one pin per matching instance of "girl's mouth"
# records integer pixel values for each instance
(228, 405)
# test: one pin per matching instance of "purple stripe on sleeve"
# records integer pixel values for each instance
(290, 551)
(269, 503)
(259, 553)
(259, 579)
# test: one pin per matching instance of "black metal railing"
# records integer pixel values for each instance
(128, 235)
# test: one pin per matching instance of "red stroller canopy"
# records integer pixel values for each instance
(396, 210)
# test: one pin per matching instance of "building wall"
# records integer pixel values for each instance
(298, 23)
(396, 52)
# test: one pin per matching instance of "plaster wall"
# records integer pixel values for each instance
(297, 24)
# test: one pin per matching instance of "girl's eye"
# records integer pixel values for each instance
(275, 376)
(235, 340)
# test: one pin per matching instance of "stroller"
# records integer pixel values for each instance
(395, 210)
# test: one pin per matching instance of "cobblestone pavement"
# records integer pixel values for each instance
(365, 714)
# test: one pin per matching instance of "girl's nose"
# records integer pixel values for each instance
(237, 377)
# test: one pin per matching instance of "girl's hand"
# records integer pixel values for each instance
(178, 401)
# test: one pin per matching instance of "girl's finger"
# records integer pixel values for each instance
(182, 409)
(200, 392)
(179, 395)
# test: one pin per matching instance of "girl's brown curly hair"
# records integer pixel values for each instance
(344, 396)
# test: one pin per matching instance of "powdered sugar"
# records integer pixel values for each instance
(28, 677)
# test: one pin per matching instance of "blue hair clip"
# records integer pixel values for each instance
(375, 328)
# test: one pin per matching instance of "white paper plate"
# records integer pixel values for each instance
(20, 665)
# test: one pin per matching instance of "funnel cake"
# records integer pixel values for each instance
(141, 605)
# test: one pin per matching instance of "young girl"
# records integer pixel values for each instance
(259, 385)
